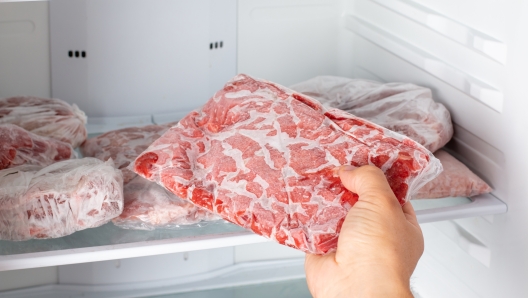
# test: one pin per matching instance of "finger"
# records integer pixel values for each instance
(368, 182)
(410, 214)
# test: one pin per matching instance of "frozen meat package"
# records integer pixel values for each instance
(401, 107)
(123, 145)
(147, 205)
(18, 147)
(455, 181)
(58, 200)
(263, 157)
(46, 117)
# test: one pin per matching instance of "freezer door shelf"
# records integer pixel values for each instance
(109, 242)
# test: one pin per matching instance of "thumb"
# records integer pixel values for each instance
(368, 182)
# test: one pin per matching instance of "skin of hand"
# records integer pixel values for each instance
(379, 245)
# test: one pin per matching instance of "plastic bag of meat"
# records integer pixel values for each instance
(124, 145)
(18, 147)
(405, 108)
(263, 157)
(455, 181)
(58, 200)
(46, 117)
(147, 205)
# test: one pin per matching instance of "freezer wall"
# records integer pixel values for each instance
(25, 70)
(24, 49)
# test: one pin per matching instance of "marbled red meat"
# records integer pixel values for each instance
(18, 147)
(46, 117)
(123, 145)
(455, 181)
(59, 199)
(263, 157)
(147, 205)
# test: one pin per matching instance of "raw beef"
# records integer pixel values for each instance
(18, 147)
(147, 205)
(455, 181)
(124, 145)
(46, 117)
(58, 200)
(405, 108)
(263, 157)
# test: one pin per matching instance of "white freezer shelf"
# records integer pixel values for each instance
(109, 242)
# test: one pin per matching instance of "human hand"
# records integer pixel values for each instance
(378, 248)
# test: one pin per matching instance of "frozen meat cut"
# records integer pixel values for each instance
(46, 117)
(401, 107)
(18, 147)
(455, 181)
(147, 205)
(263, 157)
(123, 145)
(59, 199)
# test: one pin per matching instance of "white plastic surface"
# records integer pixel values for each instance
(464, 82)
(465, 35)
(165, 65)
(477, 206)
(243, 274)
(147, 269)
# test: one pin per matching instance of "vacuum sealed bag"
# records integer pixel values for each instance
(46, 117)
(263, 157)
(58, 200)
(401, 107)
(455, 181)
(147, 205)
(18, 147)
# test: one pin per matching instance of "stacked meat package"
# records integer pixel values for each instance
(44, 191)
(147, 204)
(45, 117)
(57, 200)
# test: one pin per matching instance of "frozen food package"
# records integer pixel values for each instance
(264, 157)
(147, 205)
(18, 147)
(401, 107)
(123, 145)
(58, 200)
(46, 117)
(455, 181)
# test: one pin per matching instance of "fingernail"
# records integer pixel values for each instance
(348, 168)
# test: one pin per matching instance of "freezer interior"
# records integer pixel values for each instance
(138, 62)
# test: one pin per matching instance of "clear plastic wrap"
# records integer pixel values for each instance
(18, 147)
(55, 201)
(46, 117)
(455, 181)
(263, 157)
(124, 145)
(147, 205)
(401, 107)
